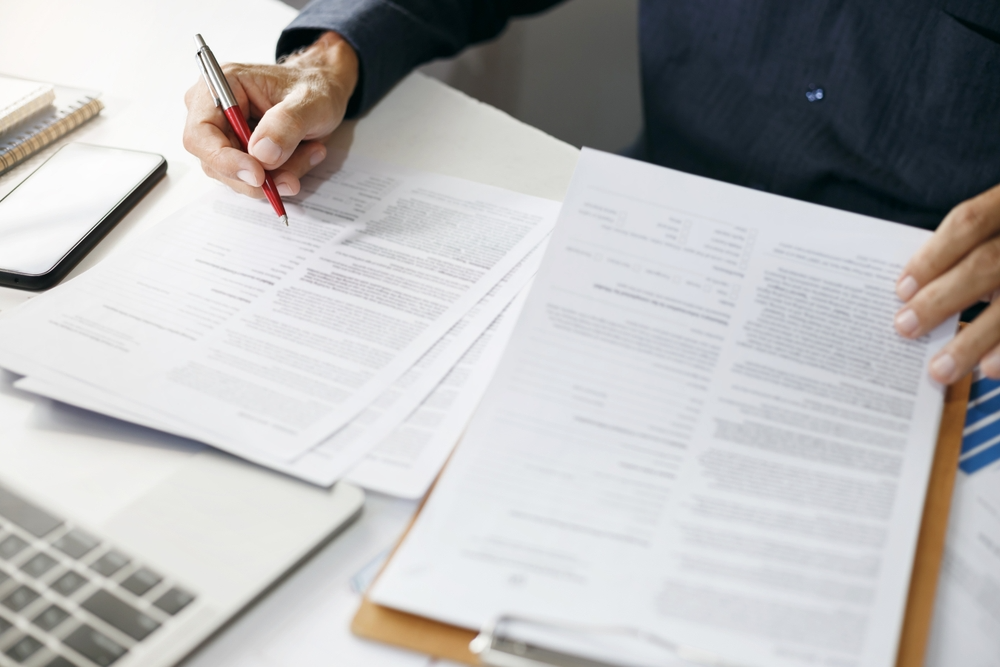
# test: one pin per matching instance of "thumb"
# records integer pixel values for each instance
(280, 130)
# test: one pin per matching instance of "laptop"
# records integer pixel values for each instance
(124, 546)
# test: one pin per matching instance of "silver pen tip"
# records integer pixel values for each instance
(284, 219)
(199, 42)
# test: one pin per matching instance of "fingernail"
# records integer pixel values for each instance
(943, 368)
(907, 322)
(266, 150)
(990, 365)
(284, 190)
(906, 288)
(247, 177)
(317, 156)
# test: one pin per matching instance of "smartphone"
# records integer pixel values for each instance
(53, 218)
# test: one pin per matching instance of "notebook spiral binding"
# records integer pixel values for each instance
(36, 133)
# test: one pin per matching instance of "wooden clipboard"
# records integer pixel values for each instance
(449, 642)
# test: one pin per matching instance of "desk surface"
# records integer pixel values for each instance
(141, 56)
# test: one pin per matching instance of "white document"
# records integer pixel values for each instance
(407, 461)
(406, 475)
(966, 627)
(453, 373)
(704, 428)
(334, 457)
(264, 340)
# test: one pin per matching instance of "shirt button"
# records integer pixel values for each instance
(815, 94)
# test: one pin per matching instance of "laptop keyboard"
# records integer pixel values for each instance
(69, 599)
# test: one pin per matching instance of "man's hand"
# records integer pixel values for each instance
(299, 103)
(957, 267)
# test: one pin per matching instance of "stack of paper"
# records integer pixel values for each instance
(306, 348)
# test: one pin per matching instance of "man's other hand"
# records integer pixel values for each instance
(956, 268)
(298, 104)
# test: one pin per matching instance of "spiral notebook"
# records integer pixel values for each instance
(70, 108)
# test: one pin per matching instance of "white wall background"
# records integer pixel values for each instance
(572, 72)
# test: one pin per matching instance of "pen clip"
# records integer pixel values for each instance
(208, 79)
(214, 76)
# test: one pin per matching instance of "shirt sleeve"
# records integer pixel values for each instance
(391, 37)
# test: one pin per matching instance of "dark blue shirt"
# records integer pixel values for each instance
(889, 108)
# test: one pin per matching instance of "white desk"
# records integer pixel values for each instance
(141, 55)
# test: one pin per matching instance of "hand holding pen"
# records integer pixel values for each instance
(298, 103)
(218, 86)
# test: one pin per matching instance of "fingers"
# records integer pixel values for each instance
(990, 363)
(208, 137)
(956, 268)
(316, 86)
(306, 112)
(305, 157)
(967, 225)
(236, 185)
(975, 276)
(296, 104)
(978, 339)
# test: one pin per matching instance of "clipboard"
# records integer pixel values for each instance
(450, 642)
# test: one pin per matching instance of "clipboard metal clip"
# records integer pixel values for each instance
(517, 641)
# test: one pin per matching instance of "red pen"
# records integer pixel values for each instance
(223, 94)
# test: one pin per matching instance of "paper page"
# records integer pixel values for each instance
(338, 454)
(407, 461)
(263, 340)
(330, 460)
(704, 428)
(966, 627)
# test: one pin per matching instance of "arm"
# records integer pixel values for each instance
(392, 37)
(338, 58)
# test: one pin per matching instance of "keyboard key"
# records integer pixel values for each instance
(110, 563)
(141, 581)
(174, 600)
(60, 661)
(94, 646)
(32, 518)
(23, 649)
(118, 614)
(20, 598)
(4, 626)
(69, 583)
(76, 543)
(50, 618)
(12, 546)
(39, 564)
